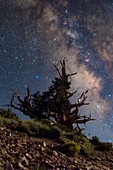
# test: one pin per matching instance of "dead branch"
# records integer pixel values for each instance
(83, 121)
(71, 94)
(23, 105)
(69, 75)
(63, 75)
(80, 129)
(29, 94)
(58, 70)
(80, 102)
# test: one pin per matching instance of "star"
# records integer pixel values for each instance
(87, 60)
(109, 95)
(80, 32)
(37, 77)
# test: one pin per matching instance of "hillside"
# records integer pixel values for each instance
(31, 145)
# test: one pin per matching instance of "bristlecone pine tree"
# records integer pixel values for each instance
(53, 104)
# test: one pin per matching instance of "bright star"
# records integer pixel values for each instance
(37, 77)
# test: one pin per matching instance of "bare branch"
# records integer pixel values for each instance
(61, 63)
(28, 92)
(80, 129)
(86, 91)
(86, 119)
(58, 70)
(71, 94)
(82, 99)
(68, 75)
(20, 100)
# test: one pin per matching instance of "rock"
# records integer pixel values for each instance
(19, 145)
(52, 146)
(28, 155)
(111, 165)
(55, 153)
(63, 167)
(46, 164)
(109, 159)
(24, 159)
(42, 149)
(20, 165)
(71, 167)
(10, 134)
(98, 159)
(44, 144)
(10, 167)
(75, 161)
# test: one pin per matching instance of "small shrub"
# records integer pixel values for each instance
(47, 122)
(27, 126)
(62, 139)
(22, 127)
(73, 135)
(12, 123)
(105, 146)
(1, 121)
(31, 127)
(54, 132)
(87, 148)
(68, 135)
(63, 128)
(8, 114)
(71, 148)
(95, 140)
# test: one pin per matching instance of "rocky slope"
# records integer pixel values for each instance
(21, 151)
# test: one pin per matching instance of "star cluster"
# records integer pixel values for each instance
(34, 34)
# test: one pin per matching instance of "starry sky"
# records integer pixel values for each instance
(34, 34)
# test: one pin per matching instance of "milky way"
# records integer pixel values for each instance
(34, 34)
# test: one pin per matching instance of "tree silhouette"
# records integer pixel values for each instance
(54, 104)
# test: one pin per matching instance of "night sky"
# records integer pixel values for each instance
(34, 34)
